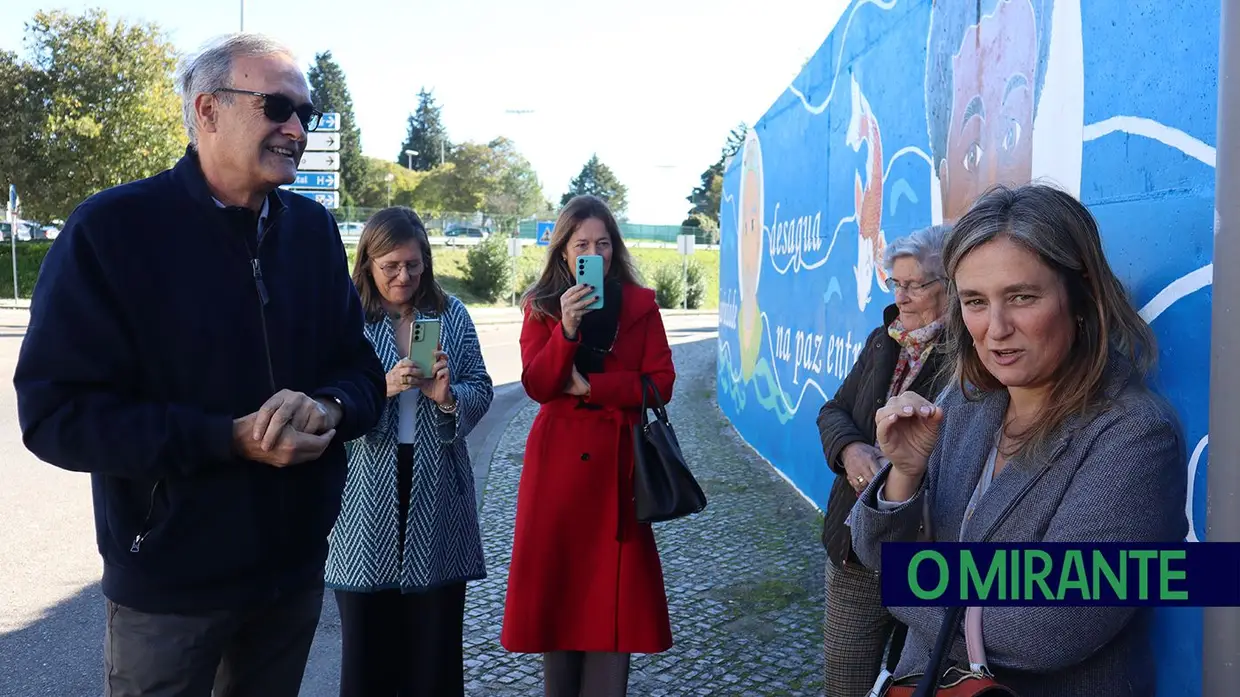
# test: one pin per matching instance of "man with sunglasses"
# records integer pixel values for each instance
(195, 343)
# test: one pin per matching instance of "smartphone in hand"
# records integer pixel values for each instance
(423, 343)
(590, 272)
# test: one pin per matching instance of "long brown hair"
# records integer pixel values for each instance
(387, 230)
(1064, 235)
(544, 296)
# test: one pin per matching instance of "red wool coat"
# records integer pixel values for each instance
(585, 575)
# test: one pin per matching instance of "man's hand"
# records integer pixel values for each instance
(296, 410)
(291, 447)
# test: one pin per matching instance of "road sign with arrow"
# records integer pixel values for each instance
(320, 163)
(323, 141)
(328, 161)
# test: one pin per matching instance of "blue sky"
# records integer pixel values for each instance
(652, 86)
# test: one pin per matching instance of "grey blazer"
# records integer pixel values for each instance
(1116, 476)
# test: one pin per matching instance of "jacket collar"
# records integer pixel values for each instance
(187, 173)
(1019, 475)
(890, 313)
(637, 302)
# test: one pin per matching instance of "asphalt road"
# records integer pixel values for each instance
(51, 609)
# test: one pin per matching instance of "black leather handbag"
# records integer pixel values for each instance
(663, 487)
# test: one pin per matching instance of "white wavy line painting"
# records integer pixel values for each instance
(1192, 478)
(910, 150)
(815, 110)
(1179, 288)
(1149, 128)
(726, 353)
(797, 261)
(783, 394)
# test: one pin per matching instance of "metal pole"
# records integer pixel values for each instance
(13, 246)
(1220, 660)
(684, 274)
(242, 15)
(441, 158)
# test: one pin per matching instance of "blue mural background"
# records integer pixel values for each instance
(1141, 80)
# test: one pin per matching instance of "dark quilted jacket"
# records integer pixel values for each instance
(849, 418)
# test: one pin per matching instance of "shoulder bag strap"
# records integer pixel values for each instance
(953, 616)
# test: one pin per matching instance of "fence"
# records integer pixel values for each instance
(351, 221)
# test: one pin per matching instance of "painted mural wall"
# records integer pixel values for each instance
(910, 109)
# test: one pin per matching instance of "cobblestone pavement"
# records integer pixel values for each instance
(744, 577)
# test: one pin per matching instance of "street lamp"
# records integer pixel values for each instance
(409, 157)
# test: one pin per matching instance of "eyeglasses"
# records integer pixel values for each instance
(392, 269)
(278, 108)
(910, 287)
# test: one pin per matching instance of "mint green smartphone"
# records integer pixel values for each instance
(423, 343)
(590, 272)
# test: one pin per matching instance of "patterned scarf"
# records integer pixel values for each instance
(915, 345)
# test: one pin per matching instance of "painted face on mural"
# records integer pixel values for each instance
(989, 139)
(1017, 311)
(750, 223)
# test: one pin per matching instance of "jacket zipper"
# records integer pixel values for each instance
(256, 268)
(146, 524)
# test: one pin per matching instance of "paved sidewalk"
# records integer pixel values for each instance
(744, 577)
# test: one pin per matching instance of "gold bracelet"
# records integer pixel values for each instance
(447, 410)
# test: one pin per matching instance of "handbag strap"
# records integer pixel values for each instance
(648, 388)
(928, 684)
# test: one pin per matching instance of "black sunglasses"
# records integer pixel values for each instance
(278, 108)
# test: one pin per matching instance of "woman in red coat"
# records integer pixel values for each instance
(585, 587)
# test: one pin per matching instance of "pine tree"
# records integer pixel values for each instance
(330, 93)
(707, 196)
(597, 179)
(426, 136)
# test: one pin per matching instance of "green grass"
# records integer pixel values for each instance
(450, 269)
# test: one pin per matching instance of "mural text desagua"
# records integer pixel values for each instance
(937, 102)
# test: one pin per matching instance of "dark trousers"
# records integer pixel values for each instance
(585, 674)
(255, 653)
(402, 645)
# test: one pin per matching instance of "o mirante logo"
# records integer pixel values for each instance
(947, 574)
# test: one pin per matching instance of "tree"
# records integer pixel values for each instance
(597, 179)
(514, 189)
(426, 135)
(707, 196)
(330, 92)
(94, 107)
(378, 192)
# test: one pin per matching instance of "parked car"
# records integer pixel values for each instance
(26, 230)
(461, 233)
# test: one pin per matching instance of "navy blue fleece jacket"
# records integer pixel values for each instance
(159, 317)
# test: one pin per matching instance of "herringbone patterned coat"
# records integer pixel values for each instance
(442, 544)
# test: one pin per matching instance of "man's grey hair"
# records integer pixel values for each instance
(924, 245)
(211, 70)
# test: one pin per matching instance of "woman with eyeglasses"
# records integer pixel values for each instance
(904, 354)
(585, 587)
(407, 539)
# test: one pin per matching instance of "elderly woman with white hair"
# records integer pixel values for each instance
(905, 353)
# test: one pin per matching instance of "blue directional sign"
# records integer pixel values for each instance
(329, 122)
(316, 180)
(544, 232)
(328, 199)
